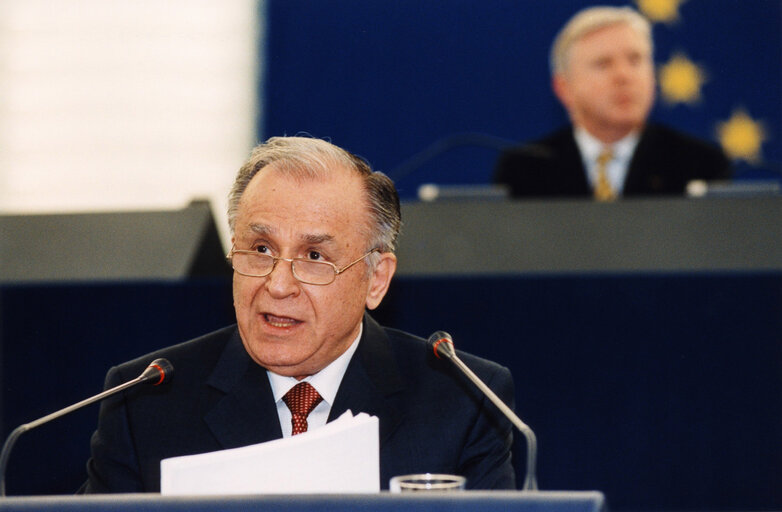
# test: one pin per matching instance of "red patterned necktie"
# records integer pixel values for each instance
(301, 400)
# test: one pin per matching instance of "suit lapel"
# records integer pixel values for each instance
(572, 173)
(645, 175)
(371, 381)
(247, 413)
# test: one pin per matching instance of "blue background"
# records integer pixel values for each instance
(388, 79)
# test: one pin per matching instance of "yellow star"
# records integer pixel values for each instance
(741, 136)
(666, 11)
(681, 80)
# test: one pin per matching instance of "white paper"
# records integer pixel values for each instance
(341, 457)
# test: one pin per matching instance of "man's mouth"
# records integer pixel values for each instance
(624, 99)
(280, 321)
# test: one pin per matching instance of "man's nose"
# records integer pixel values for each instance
(281, 282)
(624, 71)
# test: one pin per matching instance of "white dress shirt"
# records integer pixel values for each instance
(326, 382)
(617, 168)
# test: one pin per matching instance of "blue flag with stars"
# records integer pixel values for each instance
(429, 91)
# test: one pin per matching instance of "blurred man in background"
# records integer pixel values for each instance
(603, 74)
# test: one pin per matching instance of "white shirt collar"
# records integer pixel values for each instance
(591, 147)
(326, 381)
(623, 149)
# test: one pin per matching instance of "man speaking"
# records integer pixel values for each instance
(314, 231)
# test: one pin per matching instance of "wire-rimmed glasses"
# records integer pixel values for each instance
(257, 264)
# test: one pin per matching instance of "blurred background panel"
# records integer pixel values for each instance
(111, 105)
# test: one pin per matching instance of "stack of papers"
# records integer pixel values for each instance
(341, 457)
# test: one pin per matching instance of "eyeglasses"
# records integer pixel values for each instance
(257, 264)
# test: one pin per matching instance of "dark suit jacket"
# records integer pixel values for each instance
(431, 418)
(663, 163)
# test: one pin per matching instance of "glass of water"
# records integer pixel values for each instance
(427, 482)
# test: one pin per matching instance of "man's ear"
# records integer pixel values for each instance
(381, 279)
(561, 88)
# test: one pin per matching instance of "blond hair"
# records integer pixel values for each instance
(589, 20)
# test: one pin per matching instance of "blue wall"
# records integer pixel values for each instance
(672, 403)
(661, 390)
(386, 79)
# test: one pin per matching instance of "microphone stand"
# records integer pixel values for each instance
(530, 482)
(442, 344)
(159, 368)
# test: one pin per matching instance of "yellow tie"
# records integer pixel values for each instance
(603, 189)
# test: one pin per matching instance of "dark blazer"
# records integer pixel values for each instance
(663, 163)
(431, 418)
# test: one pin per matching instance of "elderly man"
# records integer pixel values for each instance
(314, 231)
(603, 74)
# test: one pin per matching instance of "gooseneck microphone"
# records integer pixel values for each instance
(442, 344)
(158, 372)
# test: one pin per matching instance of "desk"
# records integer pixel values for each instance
(468, 238)
(471, 501)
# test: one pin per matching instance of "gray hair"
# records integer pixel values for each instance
(309, 158)
(589, 20)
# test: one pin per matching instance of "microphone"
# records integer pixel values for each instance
(159, 371)
(442, 344)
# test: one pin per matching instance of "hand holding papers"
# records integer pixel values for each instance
(341, 457)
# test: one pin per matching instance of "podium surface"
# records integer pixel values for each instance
(468, 501)
(468, 238)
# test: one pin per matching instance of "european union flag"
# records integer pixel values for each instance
(719, 65)
(429, 91)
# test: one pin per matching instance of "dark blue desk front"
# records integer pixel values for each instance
(673, 403)
(384, 502)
